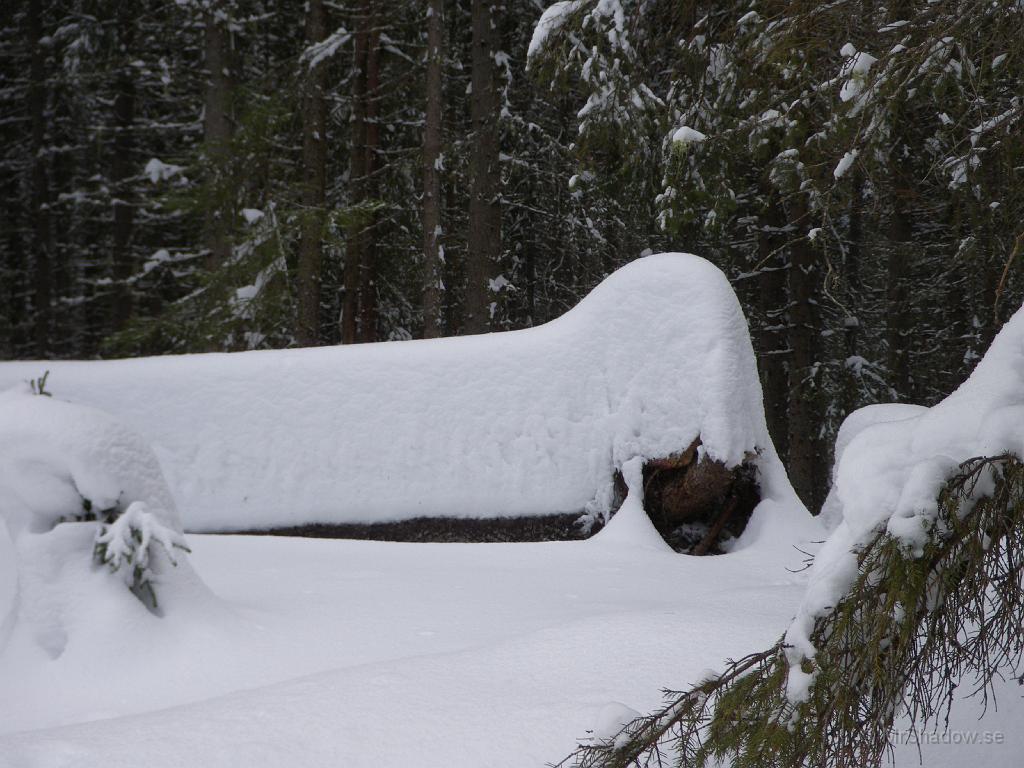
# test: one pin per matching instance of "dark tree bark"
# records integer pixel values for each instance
(357, 178)
(67, 325)
(994, 260)
(123, 167)
(359, 307)
(806, 459)
(898, 311)
(899, 235)
(773, 341)
(433, 260)
(368, 266)
(852, 280)
(217, 131)
(484, 238)
(958, 301)
(314, 161)
(42, 245)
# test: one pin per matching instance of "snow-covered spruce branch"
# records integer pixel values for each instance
(915, 623)
(125, 545)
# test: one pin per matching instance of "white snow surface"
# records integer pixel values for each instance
(389, 655)
(326, 653)
(54, 454)
(57, 610)
(521, 423)
(891, 463)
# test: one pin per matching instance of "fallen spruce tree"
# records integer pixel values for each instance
(909, 625)
(918, 590)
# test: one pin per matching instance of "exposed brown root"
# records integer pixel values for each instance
(698, 504)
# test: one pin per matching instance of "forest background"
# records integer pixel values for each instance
(220, 175)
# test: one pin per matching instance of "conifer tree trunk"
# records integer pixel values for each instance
(862, 30)
(900, 233)
(314, 161)
(42, 246)
(897, 267)
(852, 279)
(66, 326)
(357, 178)
(433, 259)
(368, 266)
(122, 169)
(217, 131)
(806, 460)
(484, 237)
(773, 341)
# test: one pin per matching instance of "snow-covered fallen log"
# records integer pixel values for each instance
(523, 423)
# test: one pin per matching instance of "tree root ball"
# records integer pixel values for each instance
(698, 505)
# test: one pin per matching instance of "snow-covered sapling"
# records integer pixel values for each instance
(39, 385)
(84, 502)
(131, 543)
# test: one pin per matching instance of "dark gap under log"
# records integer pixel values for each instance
(698, 506)
(559, 527)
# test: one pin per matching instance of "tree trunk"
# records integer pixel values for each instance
(852, 279)
(368, 265)
(433, 256)
(772, 341)
(67, 325)
(357, 178)
(897, 313)
(484, 239)
(217, 131)
(123, 167)
(900, 232)
(314, 161)
(806, 462)
(42, 245)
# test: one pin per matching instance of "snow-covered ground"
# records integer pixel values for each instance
(387, 654)
(352, 653)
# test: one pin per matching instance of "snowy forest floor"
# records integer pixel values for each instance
(361, 653)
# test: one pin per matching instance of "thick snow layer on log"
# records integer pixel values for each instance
(521, 423)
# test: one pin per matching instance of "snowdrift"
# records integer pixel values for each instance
(508, 424)
(59, 605)
(891, 463)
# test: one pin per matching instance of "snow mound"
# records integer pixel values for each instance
(853, 425)
(891, 463)
(631, 526)
(521, 423)
(56, 455)
(60, 465)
